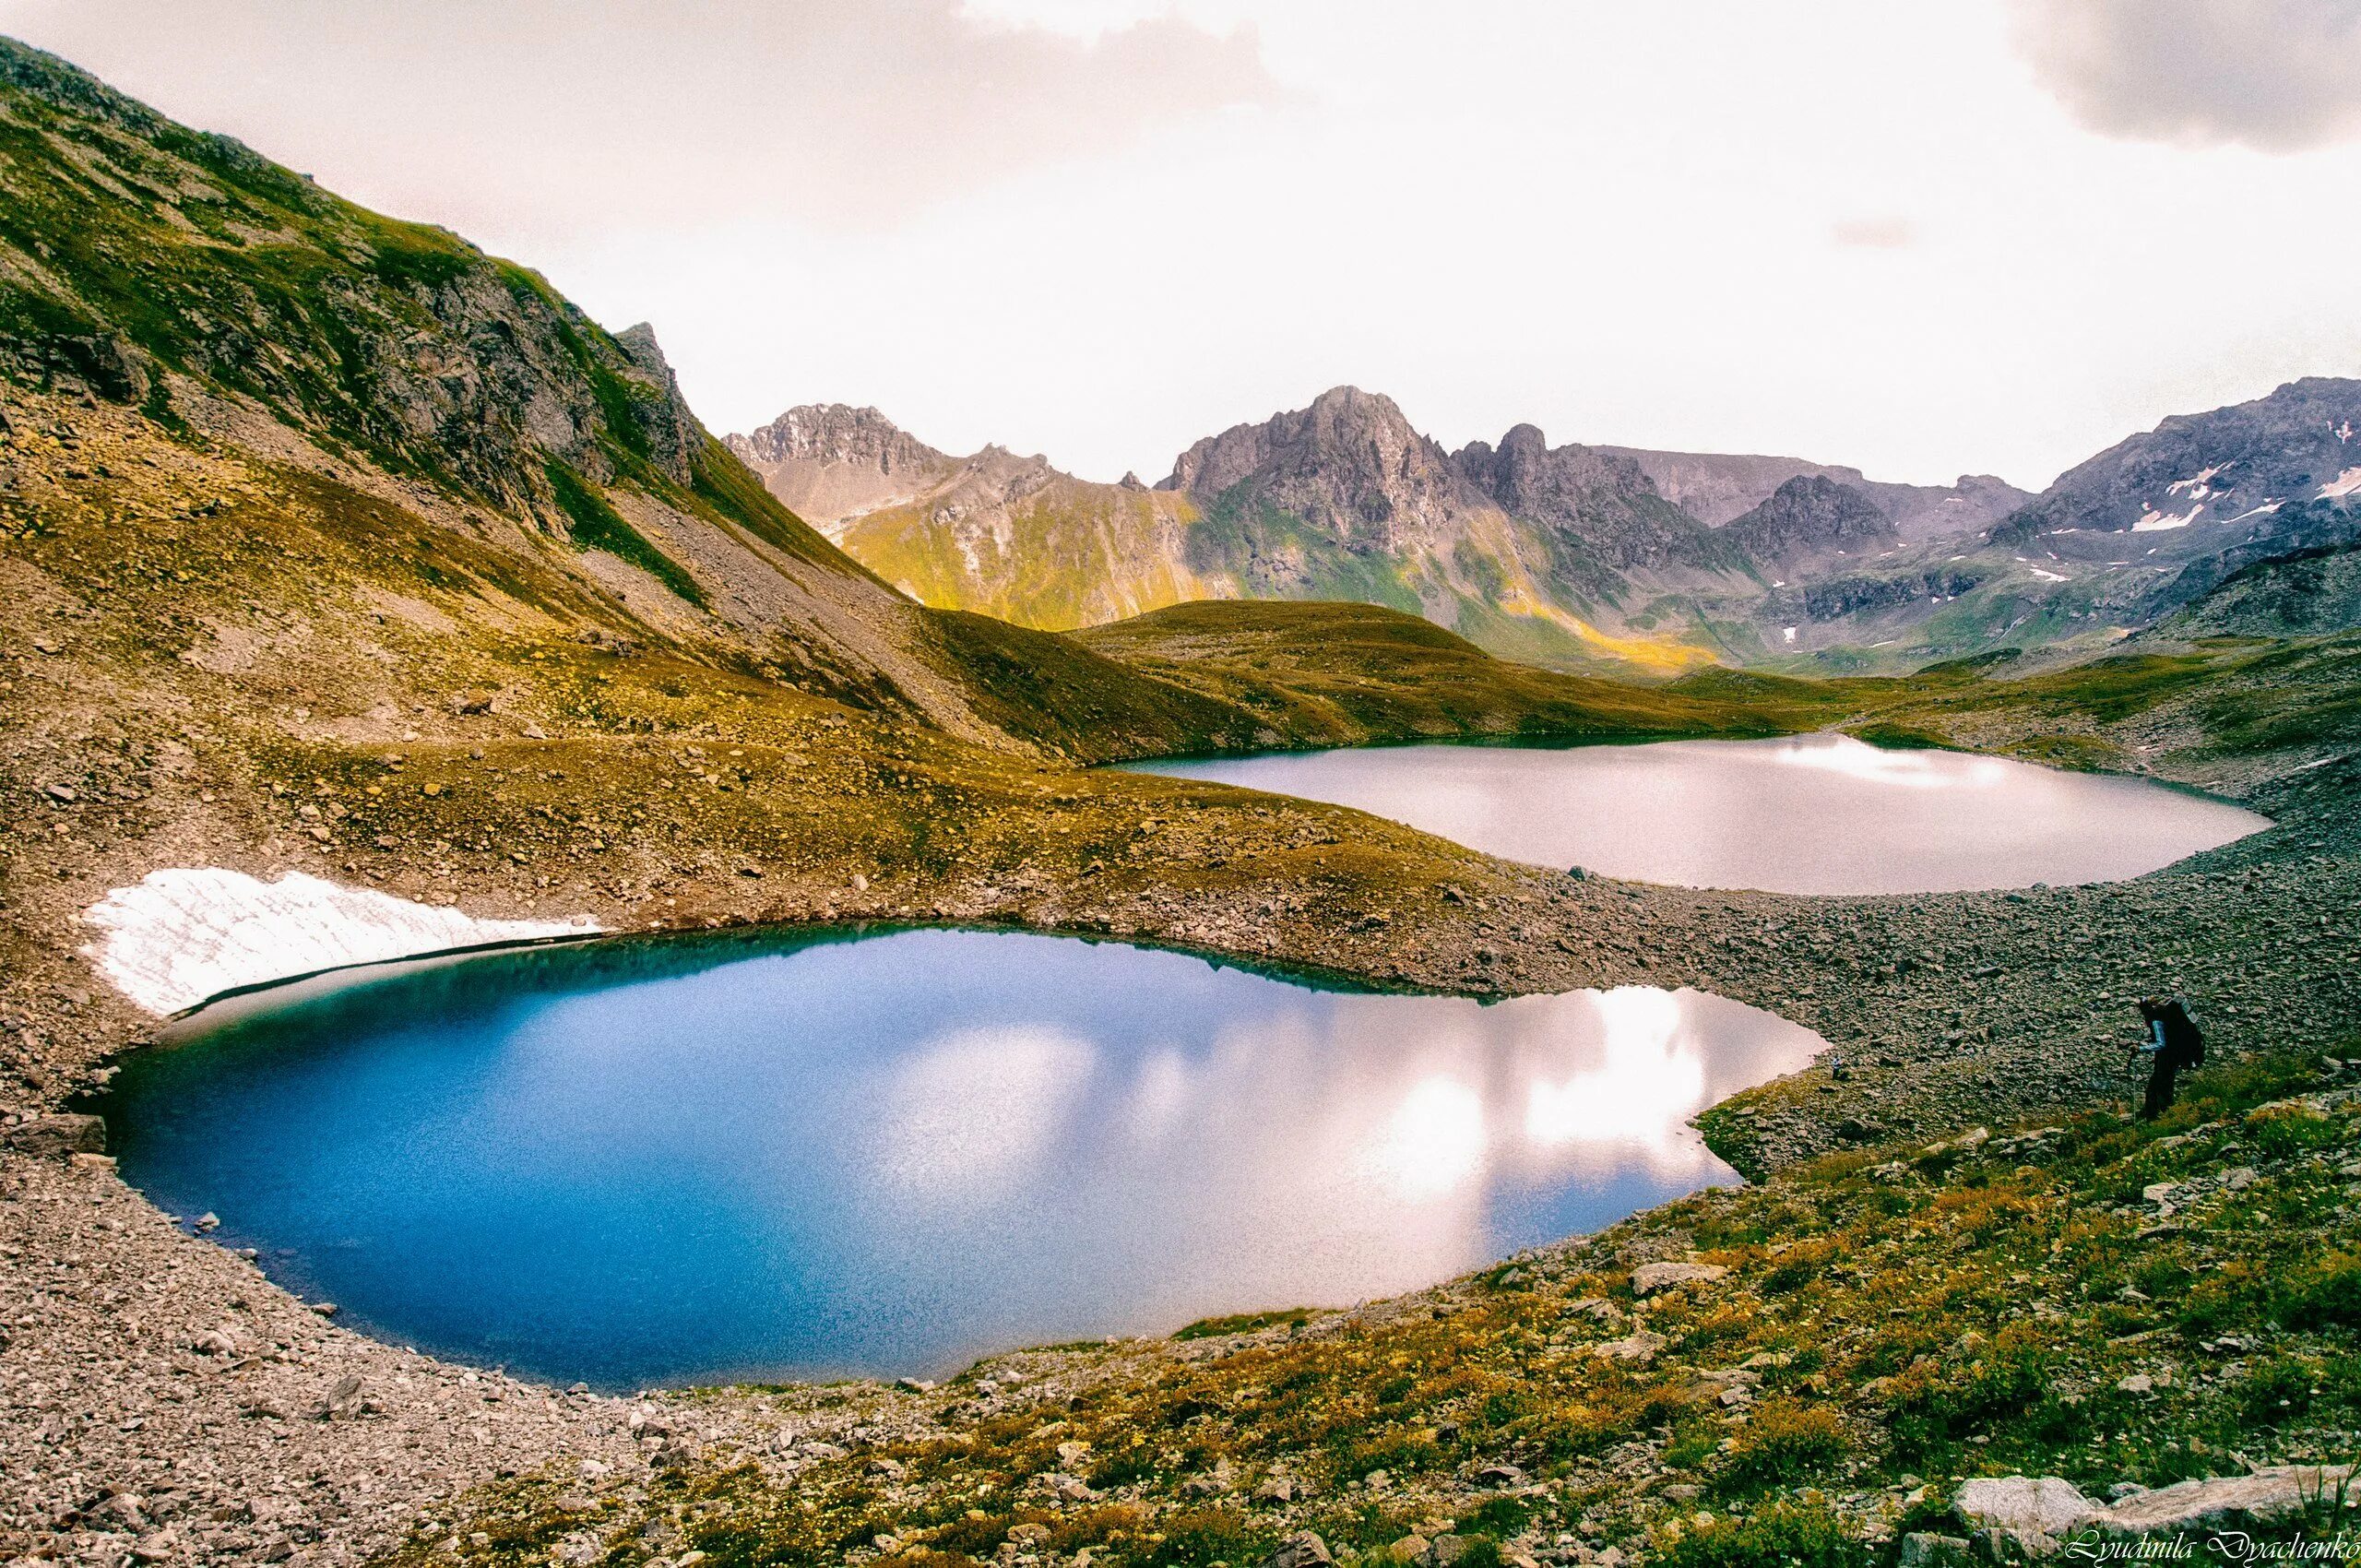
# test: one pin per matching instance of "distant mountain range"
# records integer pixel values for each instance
(1574, 554)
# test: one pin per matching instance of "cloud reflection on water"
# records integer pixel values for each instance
(1327, 1148)
(1814, 814)
(702, 1161)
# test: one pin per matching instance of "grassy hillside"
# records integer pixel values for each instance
(1359, 672)
(1070, 554)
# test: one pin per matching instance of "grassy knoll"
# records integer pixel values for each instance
(1361, 672)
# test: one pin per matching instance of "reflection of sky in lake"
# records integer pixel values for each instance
(889, 1154)
(1813, 813)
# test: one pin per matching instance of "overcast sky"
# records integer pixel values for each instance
(1989, 235)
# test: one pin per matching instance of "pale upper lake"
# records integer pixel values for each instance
(700, 1159)
(1815, 814)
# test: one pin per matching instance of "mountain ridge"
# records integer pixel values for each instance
(1578, 553)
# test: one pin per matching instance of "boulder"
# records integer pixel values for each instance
(1924, 1550)
(1301, 1550)
(59, 1134)
(2266, 1497)
(1638, 1349)
(1651, 1278)
(1060, 1487)
(2034, 1513)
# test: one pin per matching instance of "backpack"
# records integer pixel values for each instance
(2184, 1041)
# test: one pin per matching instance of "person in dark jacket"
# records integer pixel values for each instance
(2175, 1041)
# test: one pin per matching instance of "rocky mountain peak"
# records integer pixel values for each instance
(671, 428)
(836, 433)
(1809, 513)
(1351, 464)
(1530, 479)
(1595, 503)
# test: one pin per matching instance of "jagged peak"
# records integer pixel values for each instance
(836, 432)
(639, 342)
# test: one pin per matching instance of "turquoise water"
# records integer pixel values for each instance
(690, 1160)
(1809, 814)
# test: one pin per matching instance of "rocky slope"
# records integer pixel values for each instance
(1343, 499)
(995, 533)
(314, 411)
(2307, 592)
(2209, 473)
(1520, 548)
(1598, 510)
(1716, 487)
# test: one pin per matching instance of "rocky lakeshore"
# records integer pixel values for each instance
(171, 1401)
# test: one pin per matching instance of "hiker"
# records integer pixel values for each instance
(2175, 1042)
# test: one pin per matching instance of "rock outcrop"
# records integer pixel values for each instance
(2267, 1496)
(1810, 515)
(1594, 503)
(1350, 466)
(2037, 1517)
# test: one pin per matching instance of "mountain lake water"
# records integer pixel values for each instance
(1813, 813)
(696, 1160)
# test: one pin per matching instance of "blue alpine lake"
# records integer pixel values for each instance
(699, 1160)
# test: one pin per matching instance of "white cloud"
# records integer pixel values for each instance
(555, 117)
(1882, 233)
(1855, 231)
(2275, 76)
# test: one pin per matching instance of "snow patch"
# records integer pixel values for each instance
(2198, 484)
(2154, 521)
(2050, 576)
(2344, 483)
(185, 934)
(2262, 511)
(1787, 634)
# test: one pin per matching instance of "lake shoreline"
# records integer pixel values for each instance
(1950, 1010)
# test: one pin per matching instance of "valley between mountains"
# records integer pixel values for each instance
(331, 545)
